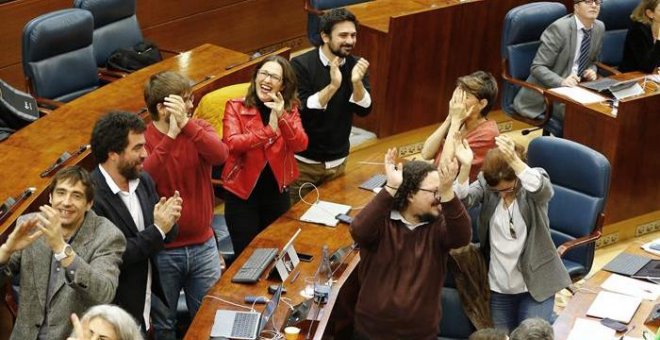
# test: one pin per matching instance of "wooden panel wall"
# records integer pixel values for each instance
(241, 25)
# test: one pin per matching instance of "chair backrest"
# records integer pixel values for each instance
(211, 107)
(454, 323)
(615, 15)
(580, 177)
(17, 108)
(58, 57)
(115, 26)
(521, 33)
(314, 22)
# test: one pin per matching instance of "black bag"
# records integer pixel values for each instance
(17, 108)
(131, 59)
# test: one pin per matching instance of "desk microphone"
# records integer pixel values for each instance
(62, 159)
(11, 203)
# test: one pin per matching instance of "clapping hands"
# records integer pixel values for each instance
(168, 211)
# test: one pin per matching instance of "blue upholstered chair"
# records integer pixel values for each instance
(521, 32)
(315, 9)
(580, 177)
(58, 57)
(454, 323)
(115, 26)
(616, 17)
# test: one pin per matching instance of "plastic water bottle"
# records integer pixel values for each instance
(323, 279)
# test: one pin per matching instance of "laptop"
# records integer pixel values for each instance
(599, 85)
(233, 324)
(635, 266)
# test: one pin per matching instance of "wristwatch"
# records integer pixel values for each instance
(66, 252)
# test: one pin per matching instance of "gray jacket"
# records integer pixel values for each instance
(542, 269)
(98, 246)
(554, 61)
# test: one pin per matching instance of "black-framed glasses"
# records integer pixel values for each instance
(590, 2)
(505, 190)
(435, 192)
(265, 74)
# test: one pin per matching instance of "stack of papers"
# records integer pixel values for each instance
(632, 287)
(589, 329)
(579, 95)
(615, 306)
(324, 212)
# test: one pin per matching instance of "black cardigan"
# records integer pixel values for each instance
(639, 52)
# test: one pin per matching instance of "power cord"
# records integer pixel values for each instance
(251, 309)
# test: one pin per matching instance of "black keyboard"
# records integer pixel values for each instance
(255, 265)
(376, 181)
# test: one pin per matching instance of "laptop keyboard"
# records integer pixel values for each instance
(255, 265)
(626, 264)
(244, 324)
(376, 181)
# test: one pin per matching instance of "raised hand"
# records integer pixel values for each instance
(168, 211)
(394, 173)
(508, 148)
(80, 329)
(359, 70)
(447, 173)
(50, 225)
(457, 108)
(462, 150)
(22, 236)
(177, 107)
(277, 105)
(335, 73)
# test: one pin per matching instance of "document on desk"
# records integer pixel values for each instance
(589, 329)
(578, 94)
(652, 247)
(615, 306)
(324, 212)
(632, 287)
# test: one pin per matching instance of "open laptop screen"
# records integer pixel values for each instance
(270, 308)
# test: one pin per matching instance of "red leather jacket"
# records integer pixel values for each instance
(252, 145)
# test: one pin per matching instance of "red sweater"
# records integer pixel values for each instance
(402, 271)
(184, 164)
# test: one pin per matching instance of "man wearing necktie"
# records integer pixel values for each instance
(569, 48)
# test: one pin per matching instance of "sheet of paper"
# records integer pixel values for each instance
(647, 247)
(589, 329)
(615, 306)
(578, 94)
(632, 287)
(324, 212)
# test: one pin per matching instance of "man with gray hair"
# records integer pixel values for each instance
(533, 329)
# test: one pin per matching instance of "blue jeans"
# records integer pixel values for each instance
(509, 310)
(195, 269)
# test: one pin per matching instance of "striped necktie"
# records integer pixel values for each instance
(583, 61)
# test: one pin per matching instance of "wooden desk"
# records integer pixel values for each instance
(579, 304)
(628, 140)
(34, 148)
(418, 48)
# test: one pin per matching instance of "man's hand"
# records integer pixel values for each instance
(462, 150)
(335, 73)
(167, 212)
(570, 81)
(22, 236)
(50, 225)
(589, 75)
(394, 173)
(447, 173)
(174, 129)
(359, 70)
(277, 105)
(80, 329)
(176, 106)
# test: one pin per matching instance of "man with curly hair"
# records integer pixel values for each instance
(405, 234)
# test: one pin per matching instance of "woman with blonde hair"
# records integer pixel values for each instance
(641, 51)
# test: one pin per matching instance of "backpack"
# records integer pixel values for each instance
(134, 58)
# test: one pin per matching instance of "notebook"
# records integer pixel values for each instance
(636, 266)
(615, 306)
(244, 325)
(324, 212)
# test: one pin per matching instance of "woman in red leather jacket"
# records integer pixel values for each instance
(262, 131)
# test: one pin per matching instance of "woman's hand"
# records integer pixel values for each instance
(277, 105)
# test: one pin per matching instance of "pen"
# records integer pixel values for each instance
(295, 276)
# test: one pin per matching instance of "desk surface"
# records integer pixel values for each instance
(579, 304)
(32, 149)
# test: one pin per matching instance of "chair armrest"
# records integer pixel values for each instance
(548, 104)
(47, 105)
(105, 73)
(167, 50)
(310, 9)
(609, 69)
(598, 231)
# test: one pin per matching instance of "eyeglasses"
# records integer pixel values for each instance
(435, 192)
(505, 190)
(265, 74)
(591, 2)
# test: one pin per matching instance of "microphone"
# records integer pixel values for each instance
(62, 159)
(11, 203)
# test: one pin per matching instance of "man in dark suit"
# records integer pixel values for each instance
(569, 48)
(127, 196)
(64, 266)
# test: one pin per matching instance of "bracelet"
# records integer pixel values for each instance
(391, 187)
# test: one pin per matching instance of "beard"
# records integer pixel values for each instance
(427, 217)
(130, 170)
(339, 52)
